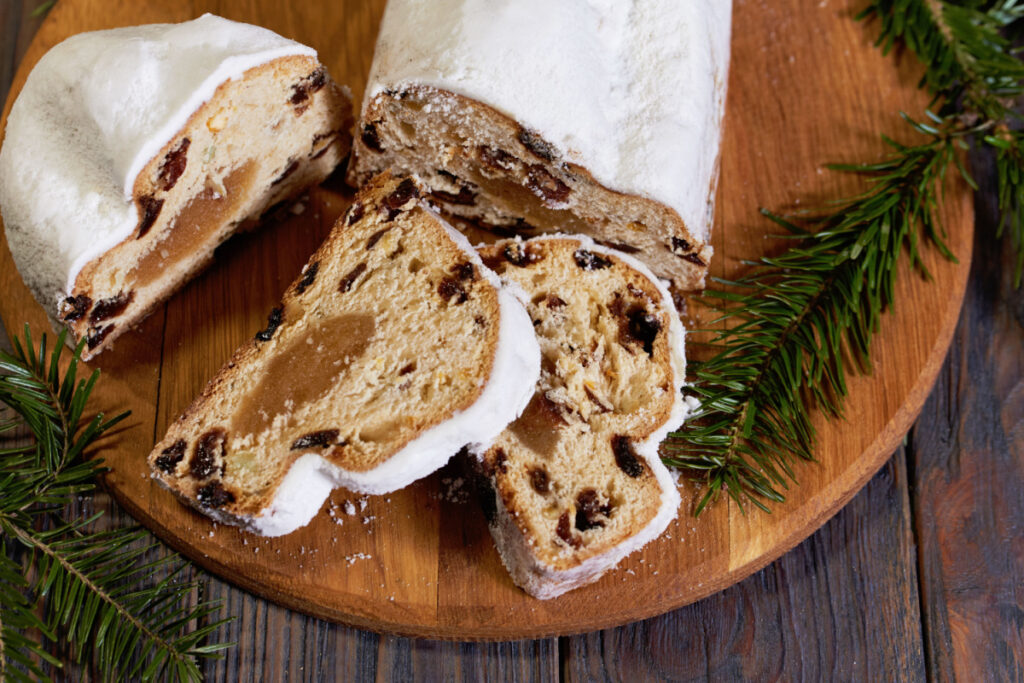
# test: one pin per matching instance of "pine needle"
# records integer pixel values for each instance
(82, 579)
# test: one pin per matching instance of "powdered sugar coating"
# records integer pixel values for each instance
(633, 91)
(94, 110)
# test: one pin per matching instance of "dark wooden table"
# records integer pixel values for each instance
(920, 576)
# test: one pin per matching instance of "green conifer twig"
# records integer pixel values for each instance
(793, 321)
(86, 581)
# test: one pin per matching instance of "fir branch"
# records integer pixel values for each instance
(976, 74)
(43, 8)
(83, 578)
(19, 654)
(791, 319)
(795, 324)
(1009, 146)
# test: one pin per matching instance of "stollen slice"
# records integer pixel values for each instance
(575, 484)
(395, 348)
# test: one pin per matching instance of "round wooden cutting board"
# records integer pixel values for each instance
(806, 88)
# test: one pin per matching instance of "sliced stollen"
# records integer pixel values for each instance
(576, 484)
(530, 116)
(132, 153)
(395, 348)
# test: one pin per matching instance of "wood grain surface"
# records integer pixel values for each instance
(806, 88)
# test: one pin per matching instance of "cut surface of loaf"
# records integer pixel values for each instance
(131, 154)
(395, 348)
(575, 484)
(531, 117)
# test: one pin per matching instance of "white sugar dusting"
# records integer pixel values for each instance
(634, 92)
(94, 110)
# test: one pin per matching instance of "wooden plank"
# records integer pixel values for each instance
(967, 475)
(405, 659)
(841, 606)
(274, 643)
(277, 644)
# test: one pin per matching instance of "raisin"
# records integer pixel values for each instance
(588, 260)
(493, 261)
(348, 280)
(173, 166)
(308, 277)
(274, 321)
(370, 138)
(554, 302)
(317, 79)
(621, 246)
(214, 495)
(74, 307)
(539, 480)
(625, 456)
(402, 195)
(518, 255)
(694, 259)
(355, 212)
(288, 170)
(681, 246)
(321, 439)
(644, 327)
(150, 206)
(536, 144)
(590, 514)
(108, 308)
(449, 288)
(300, 93)
(564, 531)
(500, 460)
(407, 368)
(204, 458)
(684, 250)
(371, 242)
(464, 271)
(301, 90)
(465, 196)
(545, 185)
(171, 456)
(496, 158)
(95, 336)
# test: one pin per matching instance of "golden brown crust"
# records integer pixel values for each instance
(485, 167)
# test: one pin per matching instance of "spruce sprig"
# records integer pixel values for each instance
(974, 71)
(60, 581)
(794, 324)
